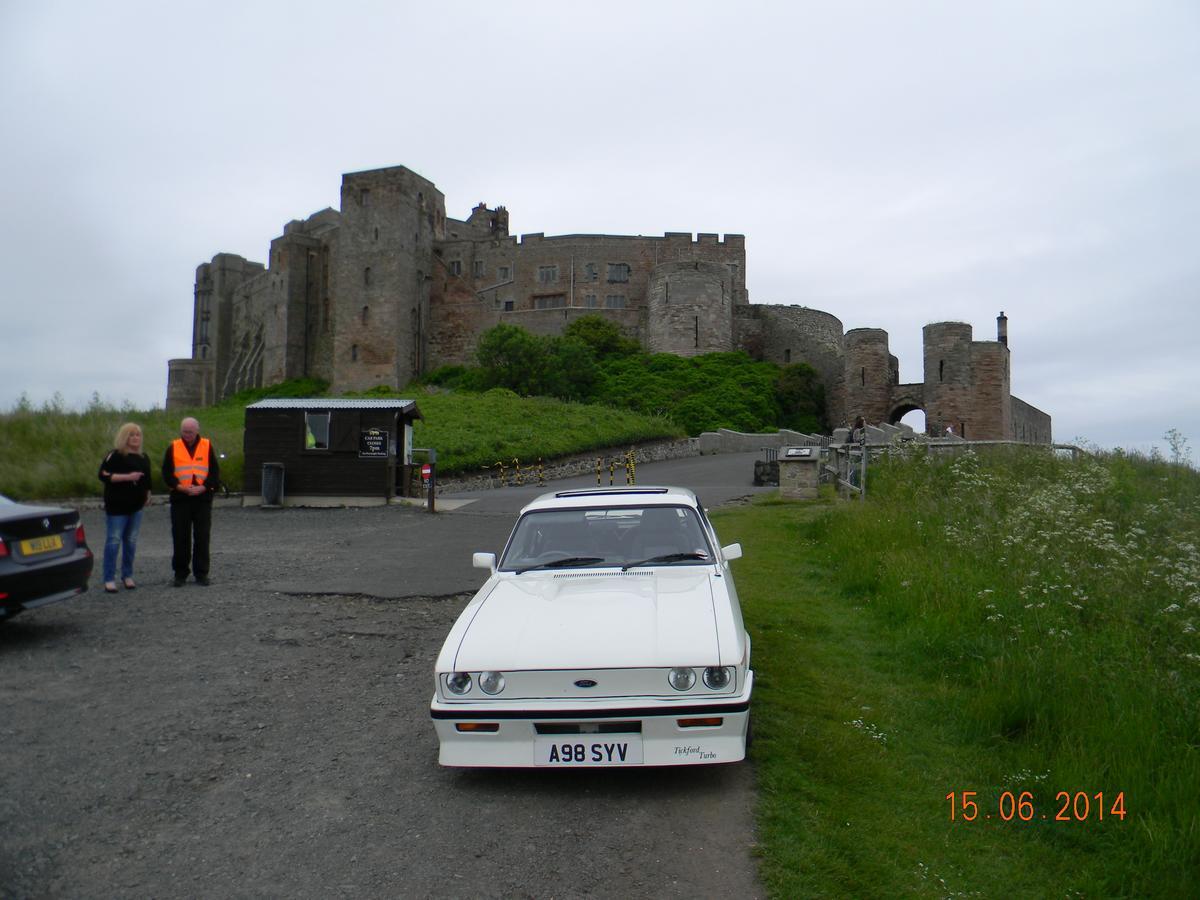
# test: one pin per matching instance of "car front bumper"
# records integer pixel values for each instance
(665, 732)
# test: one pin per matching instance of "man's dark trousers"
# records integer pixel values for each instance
(191, 523)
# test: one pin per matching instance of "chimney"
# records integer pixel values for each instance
(1002, 328)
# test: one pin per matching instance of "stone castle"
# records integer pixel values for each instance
(388, 287)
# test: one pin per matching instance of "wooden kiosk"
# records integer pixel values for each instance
(328, 452)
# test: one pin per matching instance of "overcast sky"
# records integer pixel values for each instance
(894, 164)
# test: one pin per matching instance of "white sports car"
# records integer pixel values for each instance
(609, 634)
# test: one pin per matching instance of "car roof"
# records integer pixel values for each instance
(627, 495)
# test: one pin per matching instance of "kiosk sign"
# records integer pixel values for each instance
(373, 443)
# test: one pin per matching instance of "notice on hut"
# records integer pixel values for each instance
(373, 443)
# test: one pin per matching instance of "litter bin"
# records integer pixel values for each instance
(272, 484)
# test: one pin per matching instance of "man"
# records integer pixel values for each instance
(192, 475)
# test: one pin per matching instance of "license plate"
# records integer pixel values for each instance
(34, 546)
(588, 750)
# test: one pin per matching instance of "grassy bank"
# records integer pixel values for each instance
(1014, 624)
(51, 452)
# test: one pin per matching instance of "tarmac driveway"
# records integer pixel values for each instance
(269, 735)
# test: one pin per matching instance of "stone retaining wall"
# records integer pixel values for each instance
(574, 466)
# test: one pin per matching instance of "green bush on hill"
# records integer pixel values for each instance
(593, 361)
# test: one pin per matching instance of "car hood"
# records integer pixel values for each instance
(592, 620)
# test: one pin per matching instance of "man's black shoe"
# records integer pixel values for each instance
(202, 580)
(178, 582)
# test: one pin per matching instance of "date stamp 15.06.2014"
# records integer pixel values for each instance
(1012, 806)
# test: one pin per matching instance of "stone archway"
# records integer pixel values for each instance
(900, 410)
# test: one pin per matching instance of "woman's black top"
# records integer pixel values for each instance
(125, 497)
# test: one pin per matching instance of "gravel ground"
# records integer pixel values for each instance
(270, 736)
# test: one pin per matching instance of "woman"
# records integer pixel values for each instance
(126, 476)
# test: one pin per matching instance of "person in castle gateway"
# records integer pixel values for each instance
(191, 474)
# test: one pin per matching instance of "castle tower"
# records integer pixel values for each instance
(689, 308)
(948, 392)
(390, 220)
(871, 373)
(196, 381)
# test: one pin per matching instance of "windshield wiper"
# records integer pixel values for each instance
(560, 563)
(670, 557)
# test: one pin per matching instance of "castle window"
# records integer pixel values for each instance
(367, 276)
(591, 272)
(547, 274)
(941, 369)
(733, 271)
(508, 306)
(787, 356)
(614, 301)
(364, 197)
(316, 431)
(618, 272)
(590, 301)
(455, 266)
(696, 321)
(553, 301)
(366, 314)
(478, 268)
(354, 352)
(376, 235)
(862, 376)
(504, 273)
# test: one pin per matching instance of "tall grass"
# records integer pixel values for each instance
(1064, 599)
(51, 452)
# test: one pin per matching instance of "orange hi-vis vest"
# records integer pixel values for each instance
(191, 469)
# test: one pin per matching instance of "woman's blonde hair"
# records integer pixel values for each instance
(121, 442)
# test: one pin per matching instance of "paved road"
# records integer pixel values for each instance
(269, 735)
(430, 555)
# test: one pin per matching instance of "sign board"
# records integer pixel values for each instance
(426, 471)
(373, 443)
(793, 452)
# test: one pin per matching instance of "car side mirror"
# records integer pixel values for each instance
(484, 561)
(733, 551)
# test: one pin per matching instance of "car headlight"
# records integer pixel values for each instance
(717, 678)
(681, 678)
(491, 682)
(458, 682)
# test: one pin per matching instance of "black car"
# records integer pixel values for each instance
(44, 556)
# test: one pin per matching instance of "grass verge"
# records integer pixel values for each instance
(1022, 625)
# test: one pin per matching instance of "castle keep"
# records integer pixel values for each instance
(388, 288)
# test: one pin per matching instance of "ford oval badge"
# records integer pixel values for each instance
(585, 683)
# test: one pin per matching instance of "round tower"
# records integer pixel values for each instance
(689, 308)
(870, 375)
(947, 376)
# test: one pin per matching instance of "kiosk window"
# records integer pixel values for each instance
(316, 431)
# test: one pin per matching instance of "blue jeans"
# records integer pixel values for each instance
(122, 536)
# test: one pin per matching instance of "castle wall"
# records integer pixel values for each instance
(190, 383)
(689, 308)
(794, 334)
(1029, 423)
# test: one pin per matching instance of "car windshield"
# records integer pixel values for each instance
(611, 536)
